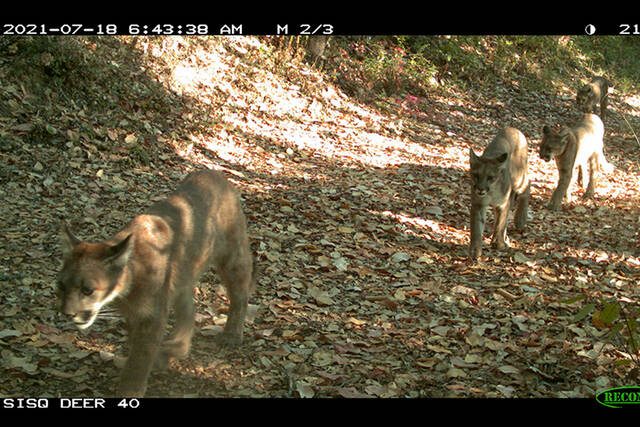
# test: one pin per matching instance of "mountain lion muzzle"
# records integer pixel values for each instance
(153, 263)
(591, 94)
(572, 148)
(497, 178)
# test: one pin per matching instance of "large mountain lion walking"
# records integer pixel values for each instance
(154, 262)
(497, 177)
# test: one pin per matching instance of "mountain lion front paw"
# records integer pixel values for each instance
(475, 251)
(128, 389)
(227, 339)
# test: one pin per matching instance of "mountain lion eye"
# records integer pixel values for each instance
(86, 291)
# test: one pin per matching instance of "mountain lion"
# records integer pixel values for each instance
(571, 148)
(590, 94)
(497, 178)
(155, 261)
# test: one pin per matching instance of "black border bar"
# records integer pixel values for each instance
(586, 27)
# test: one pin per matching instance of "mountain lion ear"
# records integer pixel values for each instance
(118, 255)
(473, 157)
(67, 240)
(546, 130)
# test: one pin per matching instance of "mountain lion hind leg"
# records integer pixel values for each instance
(237, 276)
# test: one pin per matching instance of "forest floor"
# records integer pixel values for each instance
(358, 217)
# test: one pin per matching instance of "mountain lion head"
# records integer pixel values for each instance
(586, 97)
(485, 172)
(553, 143)
(93, 274)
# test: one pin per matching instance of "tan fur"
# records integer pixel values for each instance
(154, 262)
(498, 177)
(594, 92)
(573, 148)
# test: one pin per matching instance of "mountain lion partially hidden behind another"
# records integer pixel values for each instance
(155, 261)
(571, 148)
(498, 177)
(594, 92)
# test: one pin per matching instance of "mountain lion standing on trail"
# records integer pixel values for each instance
(571, 148)
(155, 261)
(591, 94)
(498, 177)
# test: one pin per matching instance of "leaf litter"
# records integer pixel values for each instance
(358, 218)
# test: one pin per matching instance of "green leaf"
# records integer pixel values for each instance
(610, 312)
(574, 299)
(583, 313)
(50, 129)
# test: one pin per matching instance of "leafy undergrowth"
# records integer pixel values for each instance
(358, 218)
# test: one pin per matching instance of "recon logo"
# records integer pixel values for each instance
(619, 397)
